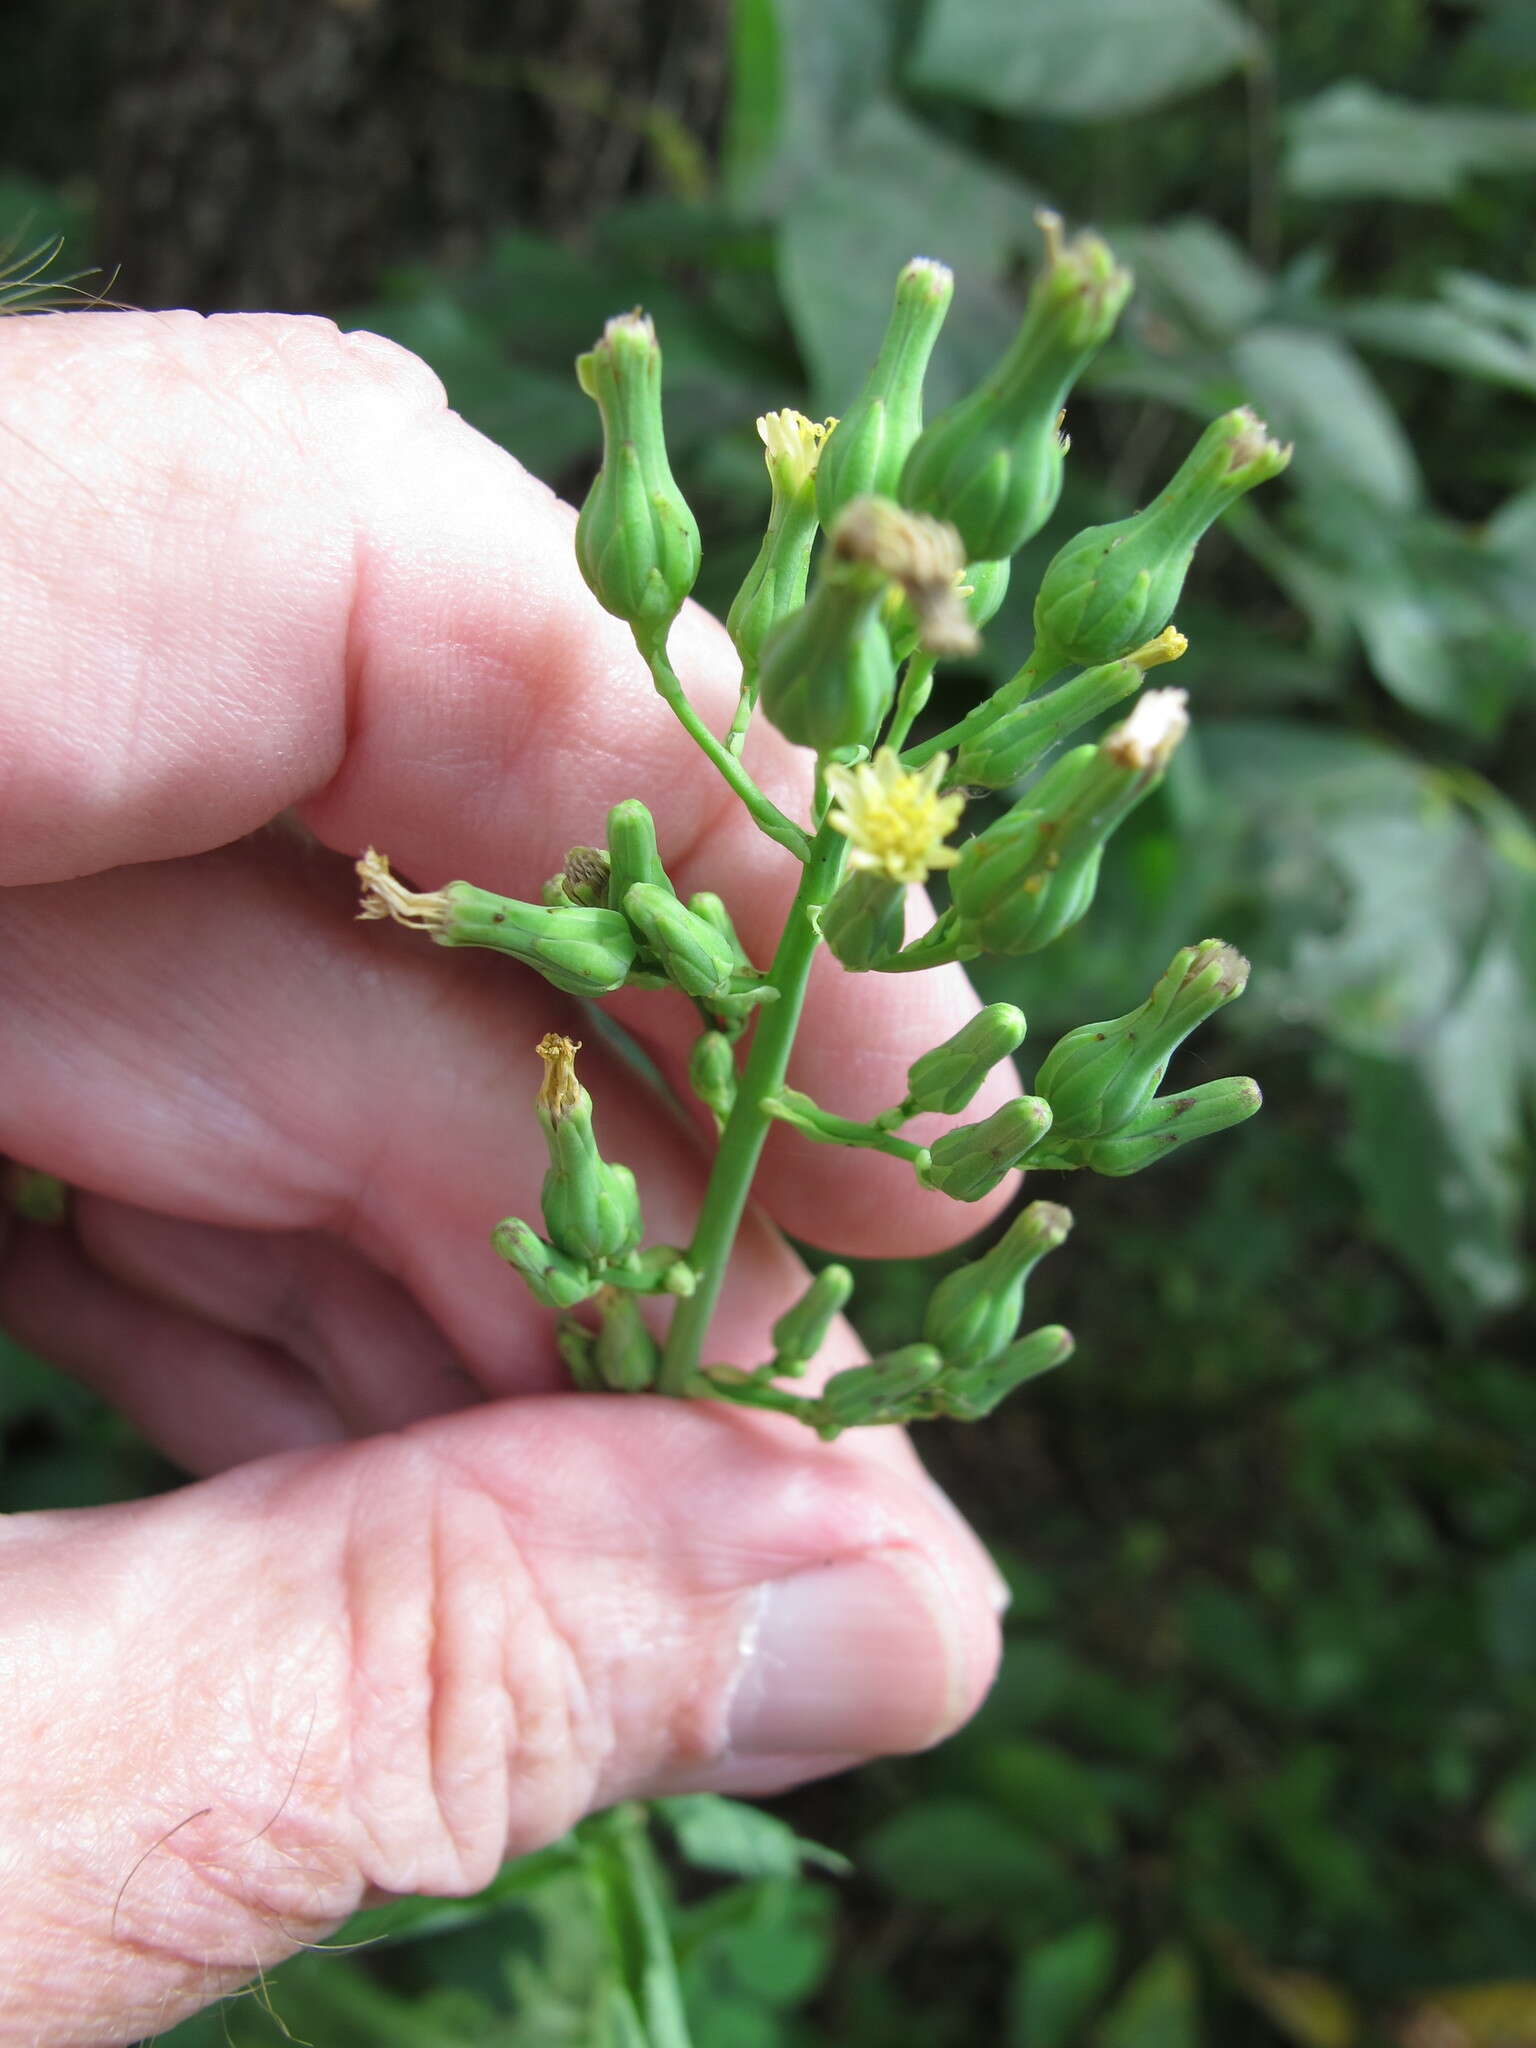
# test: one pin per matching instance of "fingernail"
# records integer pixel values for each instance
(858, 1657)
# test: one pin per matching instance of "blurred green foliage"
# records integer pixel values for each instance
(1261, 1765)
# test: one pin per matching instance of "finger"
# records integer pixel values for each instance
(378, 1358)
(203, 1395)
(396, 639)
(389, 1666)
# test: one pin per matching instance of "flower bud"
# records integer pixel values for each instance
(577, 1345)
(802, 1330)
(775, 584)
(970, 1392)
(636, 541)
(865, 920)
(579, 951)
(632, 855)
(659, 1269)
(827, 675)
(992, 464)
(591, 1209)
(974, 1311)
(888, 1389)
(625, 1353)
(1113, 587)
(984, 588)
(712, 1074)
(1032, 875)
(706, 904)
(1016, 741)
(1100, 1076)
(554, 1280)
(1169, 1121)
(693, 955)
(969, 1163)
(871, 440)
(947, 1078)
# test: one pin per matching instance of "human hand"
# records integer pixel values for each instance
(409, 1627)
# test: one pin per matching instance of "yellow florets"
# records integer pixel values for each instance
(794, 446)
(894, 817)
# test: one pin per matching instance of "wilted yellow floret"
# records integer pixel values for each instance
(894, 817)
(1169, 645)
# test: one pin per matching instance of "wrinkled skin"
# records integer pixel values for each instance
(423, 1608)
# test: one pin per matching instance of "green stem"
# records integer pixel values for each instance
(827, 1129)
(747, 1126)
(1039, 669)
(767, 815)
(910, 699)
(746, 704)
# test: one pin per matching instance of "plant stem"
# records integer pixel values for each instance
(1039, 668)
(746, 704)
(747, 1126)
(766, 814)
(910, 699)
(842, 1130)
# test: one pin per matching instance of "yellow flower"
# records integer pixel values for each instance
(894, 816)
(794, 447)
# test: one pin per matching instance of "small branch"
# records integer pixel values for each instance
(766, 815)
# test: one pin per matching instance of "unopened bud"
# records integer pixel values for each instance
(1032, 875)
(992, 465)
(712, 1074)
(577, 1346)
(974, 1311)
(1169, 1121)
(871, 440)
(947, 1078)
(1113, 587)
(970, 1392)
(826, 674)
(969, 1163)
(632, 855)
(579, 951)
(775, 584)
(801, 1331)
(1100, 1076)
(625, 1353)
(582, 882)
(865, 921)
(1018, 740)
(636, 541)
(886, 1390)
(591, 1208)
(691, 952)
(554, 1279)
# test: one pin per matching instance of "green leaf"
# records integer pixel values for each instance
(962, 1854)
(1509, 1612)
(1489, 337)
(1354, 142)
(1078, 59)
(723, 1834)
(839, 256)
(801, 74)
(1058, 1983)
(1048, 1793)
(1195, 275)
(1159, 2008)
(1313, 389)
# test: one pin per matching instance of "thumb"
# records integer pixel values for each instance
(235, 1713)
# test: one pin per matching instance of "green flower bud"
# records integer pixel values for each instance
(1100, 1076)
(775, 584)
(1015, 742)
(802, 1330)
(1169, 1121)
(712, 1074)
(970, 1392)
(865, 920)
(580, 951)
(871, 440)
(886, 1390)
(632, 855)
(659, 1269)
(1113, 587)
(636, 541)
(625, 1353)
(591, 1209)
(706, 904)
(992, 465)
(582, 883)
(692, 953)
(35, 1196)
(554, 1279)
(827, 674)
(1032, 875)
(969, 1163)
(947, 1078)
(578, 1347)
(984, 588)
(974, 1311)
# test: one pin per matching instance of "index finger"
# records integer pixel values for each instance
(252, 563)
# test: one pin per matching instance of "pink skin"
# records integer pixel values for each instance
(408, 1626)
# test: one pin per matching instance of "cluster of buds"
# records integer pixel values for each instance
(887, 548)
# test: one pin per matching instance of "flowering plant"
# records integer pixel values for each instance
(887, 549)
